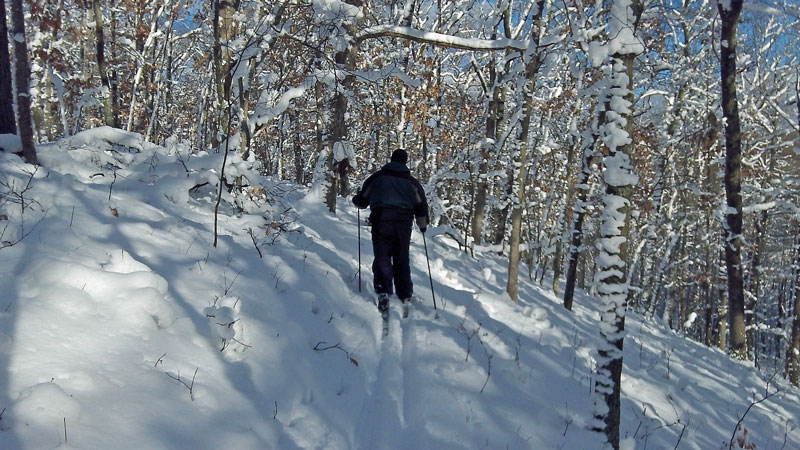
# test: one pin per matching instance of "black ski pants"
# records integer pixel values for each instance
(390, 242)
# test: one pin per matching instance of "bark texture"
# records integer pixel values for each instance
(22, 77)
(729, 14)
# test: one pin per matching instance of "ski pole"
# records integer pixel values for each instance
(359, 249)
(430, 277)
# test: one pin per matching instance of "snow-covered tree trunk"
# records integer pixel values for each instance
(338, 165)
(521, 177)
(729, 11)
(496, 89)
(568, 204)
(793, 352)
(7, 123)
(481, 191)
(579, 212)
(620, 181)
(22, 77)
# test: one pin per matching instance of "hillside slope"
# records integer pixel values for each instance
(123, 327)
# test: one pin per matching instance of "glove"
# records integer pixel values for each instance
(422, 223)
(360, 201)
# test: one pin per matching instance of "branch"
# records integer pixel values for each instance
(337, 346)
(439, 39)
(766, 396)
(189, 386)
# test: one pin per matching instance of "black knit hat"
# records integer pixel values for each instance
(400, 156)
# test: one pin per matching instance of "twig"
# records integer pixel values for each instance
(227, 287)
(189, 386)
(241, 343)
(255, 244)
(113, 180)
(352, 360)
(4, 244)
(680, 437)
(489, 357)
(749, 407)
(469, 335)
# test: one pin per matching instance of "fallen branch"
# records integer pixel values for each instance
(337, 346)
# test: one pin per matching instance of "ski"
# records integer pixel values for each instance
(383, 307)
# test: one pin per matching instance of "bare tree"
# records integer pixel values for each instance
(102, 66)
(620, 181)
(531, 70)
(729, 11)
(7, 123)
(793, 352)
(23, 79)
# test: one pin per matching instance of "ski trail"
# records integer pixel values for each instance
(382, 418)
(415, 401)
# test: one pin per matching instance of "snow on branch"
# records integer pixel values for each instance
(439, 39)
(264, 114)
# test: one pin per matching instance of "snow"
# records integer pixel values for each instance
(442, 39)
(264, 114)
(10, 143)
(621, 30)
(131, 331)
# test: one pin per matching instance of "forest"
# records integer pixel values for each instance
(646, 151)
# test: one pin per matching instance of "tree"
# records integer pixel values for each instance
(109, 115)
(729, 11)
(521, 177)
(23, 78)
(619, 179)
(793, 352)
(7, 122)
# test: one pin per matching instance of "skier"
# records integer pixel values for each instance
(395, 198)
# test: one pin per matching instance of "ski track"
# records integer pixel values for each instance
(392, 413)
(381, 420)
(382, 417)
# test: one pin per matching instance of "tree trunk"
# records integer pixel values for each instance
(339, 128)
(558, 265)
(494, 119)
(482, 186)
(102, 67)
(722, 314)
(793, 352)
(223, 34)
(8, 124)
(576, 235)
(729, 14)
(532, 69)
(620, 181)
(297, 148)
(23, 80)
(337, 169)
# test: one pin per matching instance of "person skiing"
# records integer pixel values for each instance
(395, 199)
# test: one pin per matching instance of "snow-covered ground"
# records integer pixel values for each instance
(122, 327)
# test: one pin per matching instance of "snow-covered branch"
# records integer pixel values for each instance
(438, 39)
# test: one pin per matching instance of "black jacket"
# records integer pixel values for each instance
(392, 193)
